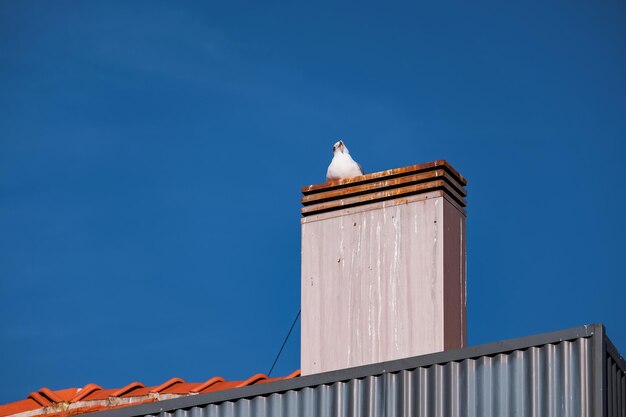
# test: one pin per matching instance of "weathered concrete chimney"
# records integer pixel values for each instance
(383, 267)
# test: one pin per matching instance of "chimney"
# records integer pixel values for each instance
(383, 267)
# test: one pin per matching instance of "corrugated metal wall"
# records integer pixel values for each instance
(616, 384)
(550, 380)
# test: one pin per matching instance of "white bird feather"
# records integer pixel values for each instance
(342, 165)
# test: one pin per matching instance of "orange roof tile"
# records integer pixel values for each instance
(74, 401)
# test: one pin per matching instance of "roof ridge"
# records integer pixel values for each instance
(252, 380)
(39, 399)
(294, 374)
(206, 384)
(126, 389)
(85, 391)
(92, 397)
(168, 384)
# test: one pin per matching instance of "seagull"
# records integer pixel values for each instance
(342, 165)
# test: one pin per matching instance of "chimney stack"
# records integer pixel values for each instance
(383, 267)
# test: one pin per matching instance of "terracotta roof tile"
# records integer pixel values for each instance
(87, 390)
(207, 384)
(75, 401)
(127, 390)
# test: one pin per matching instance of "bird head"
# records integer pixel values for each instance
(340, 147)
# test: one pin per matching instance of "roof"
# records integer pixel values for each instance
(571, 373)
(92, 397)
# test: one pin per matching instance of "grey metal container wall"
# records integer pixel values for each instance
(574, 372)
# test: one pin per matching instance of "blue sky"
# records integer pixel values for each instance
(152, 155)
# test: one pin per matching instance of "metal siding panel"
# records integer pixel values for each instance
(266, 405)
(610, 392)
(469, 376)
(553, 379)
(241, 408)
(212, 410)
(616, 387)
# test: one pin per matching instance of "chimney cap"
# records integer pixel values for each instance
(385, 185)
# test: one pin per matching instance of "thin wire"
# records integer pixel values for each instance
(284, 343)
